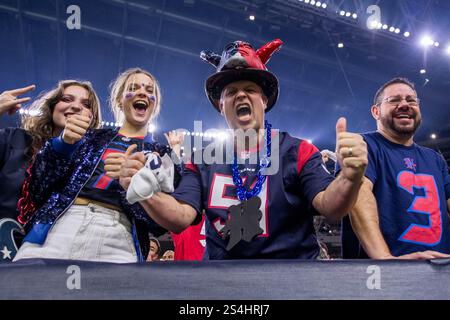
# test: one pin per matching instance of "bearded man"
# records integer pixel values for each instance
(402, 207)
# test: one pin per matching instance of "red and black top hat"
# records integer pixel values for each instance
(239, 61)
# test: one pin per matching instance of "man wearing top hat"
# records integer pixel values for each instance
(249, 214)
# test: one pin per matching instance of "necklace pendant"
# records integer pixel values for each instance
(243, 222)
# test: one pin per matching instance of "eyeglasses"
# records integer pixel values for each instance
(396, 100)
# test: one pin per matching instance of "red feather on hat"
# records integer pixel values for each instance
(266, 51)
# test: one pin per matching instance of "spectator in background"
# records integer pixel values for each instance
(168, 255)
(324, 255)
(190, 243)
(155, 249)
(329, 159)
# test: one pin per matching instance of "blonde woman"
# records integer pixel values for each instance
(87, 216)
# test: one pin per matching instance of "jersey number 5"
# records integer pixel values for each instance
(429, 204)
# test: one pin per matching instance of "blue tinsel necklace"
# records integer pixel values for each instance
(241, 192)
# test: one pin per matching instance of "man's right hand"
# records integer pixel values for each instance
(132, 164)
(351, 152)
(9, 103)
(76, 127)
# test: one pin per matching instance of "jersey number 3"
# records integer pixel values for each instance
(429, 204)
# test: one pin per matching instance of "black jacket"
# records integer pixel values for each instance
(14, 143)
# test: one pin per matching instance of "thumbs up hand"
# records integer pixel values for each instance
(131, 164)
(76, 127)
(114, 162)
(351, 152)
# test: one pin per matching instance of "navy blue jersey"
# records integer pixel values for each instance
(102, 188)
(411, 186)
(286, 203)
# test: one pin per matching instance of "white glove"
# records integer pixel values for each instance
(157, 175)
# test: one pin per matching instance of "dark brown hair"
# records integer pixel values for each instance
(380, 93)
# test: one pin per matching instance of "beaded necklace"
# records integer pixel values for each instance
(264, 163)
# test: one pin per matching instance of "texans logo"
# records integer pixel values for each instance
(153, 163)
(8, 247)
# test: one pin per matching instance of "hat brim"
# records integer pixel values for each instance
(266, 80)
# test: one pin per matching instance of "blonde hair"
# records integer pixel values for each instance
(118, 88)
(40, 126)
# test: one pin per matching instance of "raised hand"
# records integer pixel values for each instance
(76, 127)
(175, 140)
(351, 152)
(9, 101)
(114, 161)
